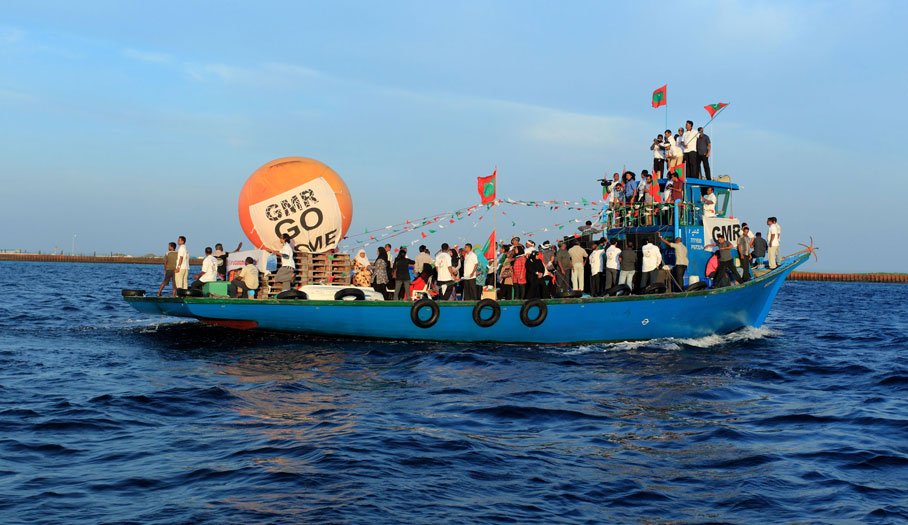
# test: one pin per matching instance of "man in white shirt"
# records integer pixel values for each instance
(209, 272)
(652, 260)
(691, 159)
(181, 275)
(611, 264)
(658, 156)
(578, 258)
(443, 266)
(285, 273)
(470, 267)
(596, 270)
(775, 240)
(674, 156)
(709, 203)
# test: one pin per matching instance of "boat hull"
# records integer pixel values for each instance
(568, 321)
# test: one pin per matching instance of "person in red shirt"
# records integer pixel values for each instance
(520, 273)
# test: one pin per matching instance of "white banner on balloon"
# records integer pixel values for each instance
(309, 213)
(236, 260)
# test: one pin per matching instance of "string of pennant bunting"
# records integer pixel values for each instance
(432, 224)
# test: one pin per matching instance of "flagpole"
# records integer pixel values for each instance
(495, 235)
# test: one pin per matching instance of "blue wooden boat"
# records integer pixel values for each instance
(688, 314)
(565, 321)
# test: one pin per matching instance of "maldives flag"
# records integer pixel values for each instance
(660, 96)
(679, 169)
(486, 187)
(488, 249)
(712, 109)
(654, 191)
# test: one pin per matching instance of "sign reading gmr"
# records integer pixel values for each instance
(730, 228)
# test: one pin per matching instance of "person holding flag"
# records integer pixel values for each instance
(704, 148)
(673, 153)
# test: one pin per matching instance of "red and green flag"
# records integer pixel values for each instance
(486, 187)
(654, 190)
(679, 169)
(712, 109)
(660, 96)
(488, 249)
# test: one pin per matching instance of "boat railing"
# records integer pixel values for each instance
(652, 214)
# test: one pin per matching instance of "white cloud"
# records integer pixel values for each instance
(147, 56)
(11, 35)
(16, 96)
(269, 73)
(756, 22)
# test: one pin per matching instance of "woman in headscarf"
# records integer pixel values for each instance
(362, 274)
(535, 270)
(380, 273)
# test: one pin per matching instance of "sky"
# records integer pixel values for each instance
(126, 124)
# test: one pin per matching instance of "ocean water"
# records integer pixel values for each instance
(109, 416)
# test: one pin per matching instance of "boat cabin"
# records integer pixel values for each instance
(683, 218)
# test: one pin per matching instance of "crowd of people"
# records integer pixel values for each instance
(633, 202)
(575, 266)
(523, 270)
(519, 270)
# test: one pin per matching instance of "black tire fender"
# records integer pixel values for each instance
(693, 287)
(478, 308)
(618, 290)
(525, 312)
(419, 305)
(355, 293)
(292, 294)
(127, 292)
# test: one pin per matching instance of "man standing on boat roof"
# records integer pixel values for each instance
(690, 150)
(704, 148)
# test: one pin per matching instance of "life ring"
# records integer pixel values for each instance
(693, 287)
(477, 312)
(654, 288)
(618, 290)
(292, 294)
(525, 312)
(355, 293)
(419, 305)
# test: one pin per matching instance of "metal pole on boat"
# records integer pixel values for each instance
(495, 236)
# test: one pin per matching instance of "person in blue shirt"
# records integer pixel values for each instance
(630, 186)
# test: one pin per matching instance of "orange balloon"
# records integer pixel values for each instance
(297, 196)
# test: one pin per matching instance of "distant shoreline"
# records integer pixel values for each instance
(102, 259)
(795, 276)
